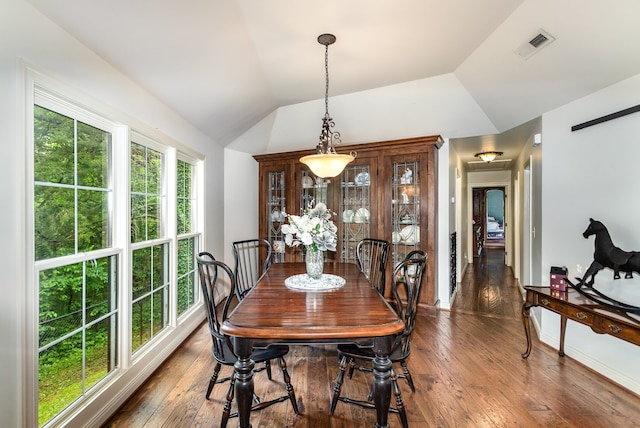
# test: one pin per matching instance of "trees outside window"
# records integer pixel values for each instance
(150, 266)
(187, 241)
(78, 309)
(80, 254)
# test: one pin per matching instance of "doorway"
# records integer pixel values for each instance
(489, 219)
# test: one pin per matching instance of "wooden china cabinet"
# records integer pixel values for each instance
(387, 192)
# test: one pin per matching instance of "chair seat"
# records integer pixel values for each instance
(258, 356)
(354, 351)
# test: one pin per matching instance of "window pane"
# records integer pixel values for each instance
(60, 302)
(93, 156)
(154, 175)
(149, 294)
(68, 218)
(187, 283)
(138, 218)
(154, 211)
(185, 192)
(160, 306)
(141, 329)
(146, 193)
(138, 168)
(59, 377)
(101, 350)
(93, 220)
(101, 294)
(54, 217)
(141, 272)
(53, 147)
(75, 354)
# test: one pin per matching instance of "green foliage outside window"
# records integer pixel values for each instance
(78, 313)
(71, 193)
(187, 283)
(146, 193)
(185, 196)
(77, 302)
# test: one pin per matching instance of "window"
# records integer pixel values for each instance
(78, 311)
(105, 233)
(187, 242)
(150, 265)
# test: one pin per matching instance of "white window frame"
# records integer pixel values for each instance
(112, 391)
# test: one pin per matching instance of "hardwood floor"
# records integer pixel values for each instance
(466, 365)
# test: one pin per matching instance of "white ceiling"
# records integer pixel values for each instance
(226, 64)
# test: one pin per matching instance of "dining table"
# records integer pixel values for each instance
(284, 308)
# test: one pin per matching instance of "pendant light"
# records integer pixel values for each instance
(327, 162)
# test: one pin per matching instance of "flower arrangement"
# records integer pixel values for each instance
(314, 229)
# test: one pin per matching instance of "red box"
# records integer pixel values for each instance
(557, 279)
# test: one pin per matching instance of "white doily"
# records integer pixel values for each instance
(305, 282)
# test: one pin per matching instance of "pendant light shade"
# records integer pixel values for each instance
(327, 165)
(327, 162)
(488, 156)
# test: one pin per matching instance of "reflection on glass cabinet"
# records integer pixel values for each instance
(313, 190)
(405, 209)
(354, 209)
(275, 214)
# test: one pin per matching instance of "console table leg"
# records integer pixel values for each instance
(563, 328)
(527, 328)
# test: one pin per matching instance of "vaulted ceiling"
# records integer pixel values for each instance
(224, 65)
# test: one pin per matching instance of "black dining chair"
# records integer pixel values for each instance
(373, 255)
(252, 259)
(222, 348)
(405, 288)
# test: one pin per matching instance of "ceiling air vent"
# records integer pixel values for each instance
(535, 44)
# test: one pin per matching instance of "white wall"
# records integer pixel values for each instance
(240, 200)
(26, 35)
(592, 172)
(444, 227)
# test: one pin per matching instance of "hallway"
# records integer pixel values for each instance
(488, 287)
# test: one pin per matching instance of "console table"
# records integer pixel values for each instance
(573, 305)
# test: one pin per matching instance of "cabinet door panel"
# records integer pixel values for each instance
(357, 203)
(274, 197)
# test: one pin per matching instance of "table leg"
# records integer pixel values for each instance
(382, 380)
(563, 328)
(244, 380)
(527, 328)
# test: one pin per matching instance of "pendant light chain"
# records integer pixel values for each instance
(326, 162)
(326, 80)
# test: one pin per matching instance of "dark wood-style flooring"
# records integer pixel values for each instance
(466, 364)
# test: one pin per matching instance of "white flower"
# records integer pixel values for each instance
(314, 229)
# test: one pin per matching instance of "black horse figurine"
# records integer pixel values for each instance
(608, 255)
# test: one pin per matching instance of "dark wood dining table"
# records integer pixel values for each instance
(272, 313)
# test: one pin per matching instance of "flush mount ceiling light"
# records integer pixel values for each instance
(488, 156)
(327, 162)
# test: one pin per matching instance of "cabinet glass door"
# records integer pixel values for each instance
(355, 209)
(405, 209)
(275, 210)
(312, 190)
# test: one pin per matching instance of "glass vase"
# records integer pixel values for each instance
(315, 263)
